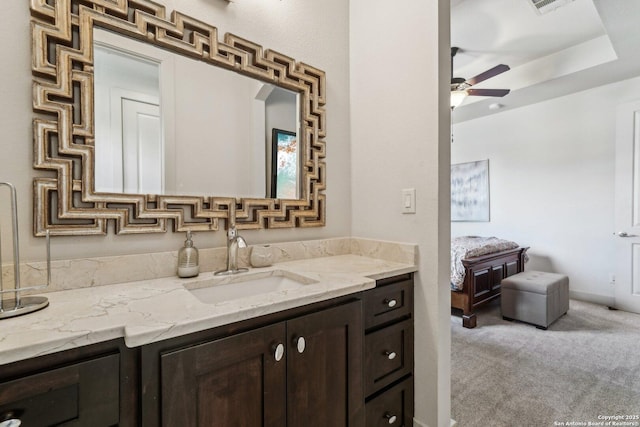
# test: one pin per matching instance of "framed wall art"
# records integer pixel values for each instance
(284, 168)
(470, 191)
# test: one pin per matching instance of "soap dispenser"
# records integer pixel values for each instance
(188, 265)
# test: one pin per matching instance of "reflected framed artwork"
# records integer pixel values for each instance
(284, 164)
(470, 191)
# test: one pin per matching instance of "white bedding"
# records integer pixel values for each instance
(472, 246)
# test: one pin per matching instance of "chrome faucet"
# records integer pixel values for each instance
(234, 241)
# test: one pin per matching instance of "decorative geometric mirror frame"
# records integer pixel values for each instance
(62, 67)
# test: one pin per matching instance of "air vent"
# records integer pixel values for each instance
(546, 6)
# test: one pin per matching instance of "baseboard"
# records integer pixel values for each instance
(594, 298)
(417, 423)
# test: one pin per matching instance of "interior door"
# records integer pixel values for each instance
(142, 149)
(627, 205)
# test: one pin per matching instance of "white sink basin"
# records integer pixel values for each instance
(228, 288)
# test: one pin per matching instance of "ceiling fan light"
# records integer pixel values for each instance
(457, 97)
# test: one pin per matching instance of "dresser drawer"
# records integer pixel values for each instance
(394, 407)
(387, 303)
(388, 355)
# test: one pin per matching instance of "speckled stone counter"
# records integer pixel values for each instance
(151, 310)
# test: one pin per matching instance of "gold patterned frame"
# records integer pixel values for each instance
(62, 65)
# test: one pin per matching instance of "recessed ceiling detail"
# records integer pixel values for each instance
(546, 6)
(583, 44)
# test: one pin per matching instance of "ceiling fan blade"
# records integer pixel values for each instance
(488, 92)
(498, 69)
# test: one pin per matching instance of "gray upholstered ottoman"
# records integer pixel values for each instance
(535, 297)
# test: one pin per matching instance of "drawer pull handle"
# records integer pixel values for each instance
(11, 418)
(390, 354)
(390, 303)
(300, 344)
(278, 352)
(390, 418)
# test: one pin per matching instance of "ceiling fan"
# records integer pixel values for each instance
(461, 88)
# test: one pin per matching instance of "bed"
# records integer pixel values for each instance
(478, 265)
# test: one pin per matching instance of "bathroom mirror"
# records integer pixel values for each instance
(139, 186)
(157, 111)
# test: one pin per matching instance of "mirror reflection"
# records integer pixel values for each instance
(232, 138)
(168, 124)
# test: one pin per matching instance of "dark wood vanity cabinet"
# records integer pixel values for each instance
(90, 386)
(343, 362)
(304, 371)
(388, 318)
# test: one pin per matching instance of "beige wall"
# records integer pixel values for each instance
(321, 39)
(401, 139)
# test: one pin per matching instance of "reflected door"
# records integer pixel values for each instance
(627, 204)
(142, 148)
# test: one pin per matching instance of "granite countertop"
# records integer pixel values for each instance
(147, 311)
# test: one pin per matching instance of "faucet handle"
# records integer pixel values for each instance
(232, 232)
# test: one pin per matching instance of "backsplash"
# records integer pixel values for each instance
(89, 272)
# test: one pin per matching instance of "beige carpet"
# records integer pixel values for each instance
(586, 365)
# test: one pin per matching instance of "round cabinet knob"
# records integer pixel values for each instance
(390, 418)
(390, 303)
(300, 343)
(278, 353)
(390, 354)
(11, 418)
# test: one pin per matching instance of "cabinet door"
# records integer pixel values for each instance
(234, 381)
(82, 394)
(325, 368)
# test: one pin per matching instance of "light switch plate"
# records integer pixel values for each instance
(409, 200)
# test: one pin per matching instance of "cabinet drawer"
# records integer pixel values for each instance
(85, 393)
(388, 355)
(387, 303)
(394, 407)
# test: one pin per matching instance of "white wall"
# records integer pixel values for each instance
(321, 39)
(213, 118)
(400, 139)
(551, 171)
